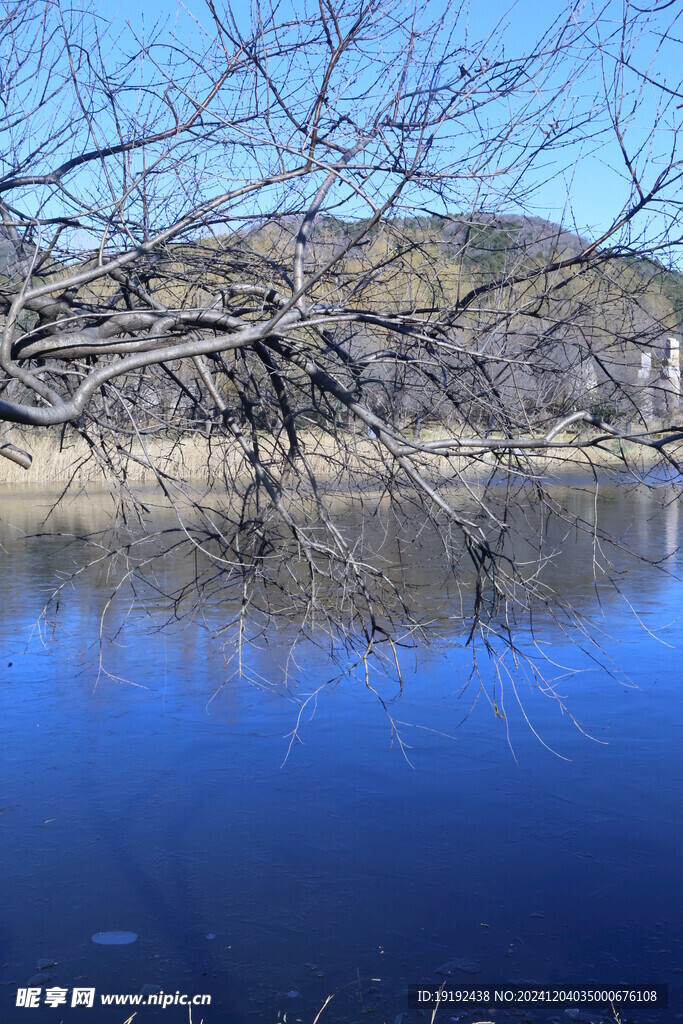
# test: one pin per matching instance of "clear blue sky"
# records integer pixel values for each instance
(596, 181)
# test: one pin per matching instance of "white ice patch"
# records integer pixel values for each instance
(114, 938)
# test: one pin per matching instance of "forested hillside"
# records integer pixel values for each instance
(532, 325)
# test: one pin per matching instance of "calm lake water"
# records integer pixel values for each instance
(168, 802)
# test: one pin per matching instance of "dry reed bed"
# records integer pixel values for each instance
(192, 458)
(209, 460)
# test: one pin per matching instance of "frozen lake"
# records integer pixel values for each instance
(169, 804)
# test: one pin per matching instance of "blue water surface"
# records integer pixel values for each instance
(272, 842)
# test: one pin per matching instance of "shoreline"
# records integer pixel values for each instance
(198, 459)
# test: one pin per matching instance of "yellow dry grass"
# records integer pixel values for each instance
(192, 458)
(351, 459)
